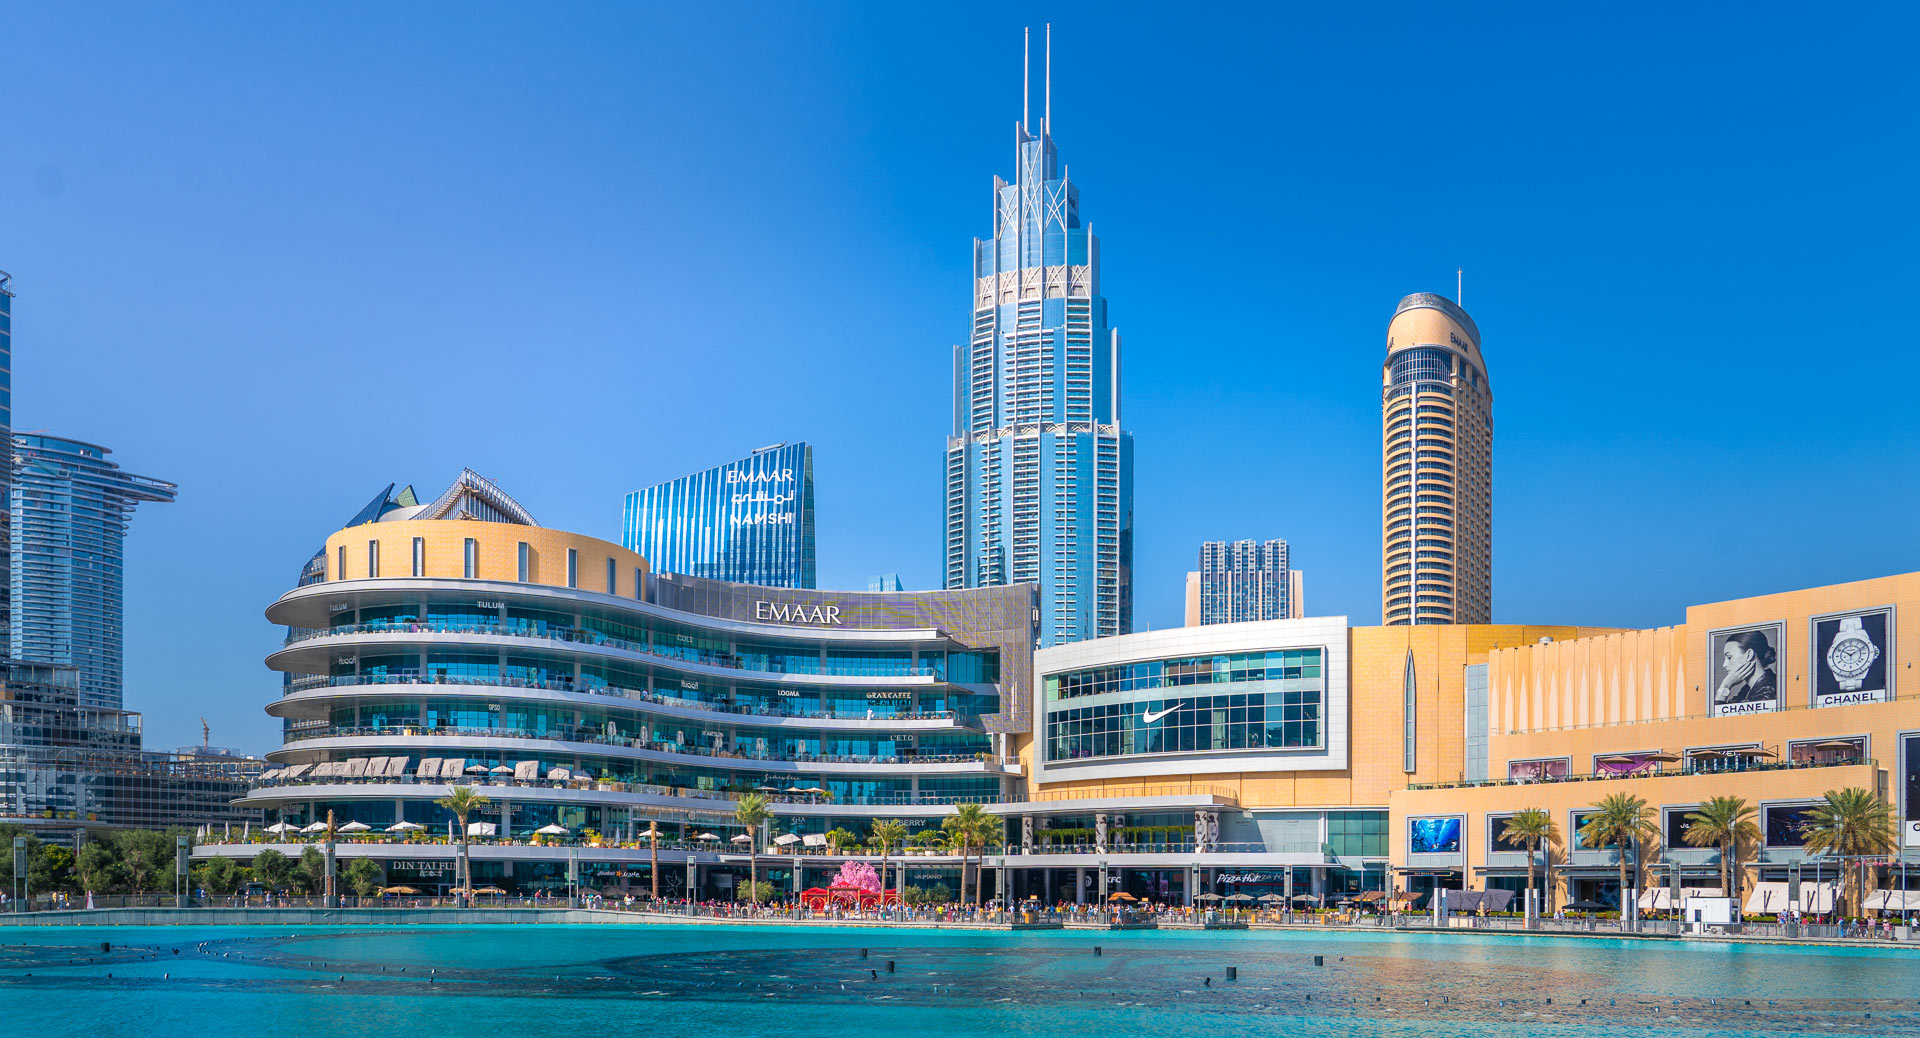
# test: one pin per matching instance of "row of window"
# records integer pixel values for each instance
(470, 564)
(1301, 665)
(1277, 720)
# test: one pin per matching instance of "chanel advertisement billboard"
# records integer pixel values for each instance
(1743, 664)
(1853, 658)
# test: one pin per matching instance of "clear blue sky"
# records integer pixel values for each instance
(283, 256)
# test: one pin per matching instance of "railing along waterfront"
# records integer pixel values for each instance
(308, 684)
(923, 667)
(1692, 768)
(595, 737)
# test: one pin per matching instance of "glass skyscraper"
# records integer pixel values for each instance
(6, 457)
(1245, 580)
(1039, 474)
(71, 507)
(748, 521)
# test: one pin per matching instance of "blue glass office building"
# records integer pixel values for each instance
(6, 457)
(71, 507)
(1039, 474)
(748, 521)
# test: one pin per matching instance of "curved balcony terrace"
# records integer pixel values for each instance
(303, 744)
(310, 698)
(313, 651)
(276, 792)
(312, 606)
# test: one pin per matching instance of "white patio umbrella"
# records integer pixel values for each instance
(355, 827)
(405, 827)
(743, 838)
(281, 828)
(706, 836)
(317, 827)
(481, 828)
(552, 830)
(476, 769)
(501, 769)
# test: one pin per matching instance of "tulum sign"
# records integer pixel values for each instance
(796, 613)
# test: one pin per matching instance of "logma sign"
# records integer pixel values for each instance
(797, 613)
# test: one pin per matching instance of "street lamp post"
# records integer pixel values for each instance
(21, 892)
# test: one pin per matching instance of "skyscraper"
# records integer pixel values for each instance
(6, 458)
(71, 507)
(1436, 409)
(1039, 474)
(748, 521)
(1242, 580)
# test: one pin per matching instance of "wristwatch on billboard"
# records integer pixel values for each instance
(1851, 655)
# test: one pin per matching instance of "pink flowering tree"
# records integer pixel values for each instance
(858, 874)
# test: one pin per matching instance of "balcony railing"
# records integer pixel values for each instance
(598, 737)
(1718, 767)
(308, 684)
(487, 783)
(923, 667)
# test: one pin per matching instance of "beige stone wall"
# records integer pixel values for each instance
(499, 548)
(1377, 659)
(1647, 690)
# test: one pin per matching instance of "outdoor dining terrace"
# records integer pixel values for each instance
(1694, 762)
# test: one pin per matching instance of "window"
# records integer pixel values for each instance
(573, 567)
(638, 583)
(373, 559)
(471, 559)
(419, 556)
(341, 567)
(526, 562)
(1410, 703)
(613, 578)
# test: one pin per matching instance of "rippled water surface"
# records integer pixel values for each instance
(539, 981)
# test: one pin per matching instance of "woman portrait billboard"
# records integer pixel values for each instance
(1743, 664)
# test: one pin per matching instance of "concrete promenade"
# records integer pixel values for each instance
(303, 916)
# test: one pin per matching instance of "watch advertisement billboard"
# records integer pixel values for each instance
(1853, 657)
(1744, 665)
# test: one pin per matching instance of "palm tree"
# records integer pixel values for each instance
(1618, 820)
(1850, 823)
(463, 801)
(1726, 823)
(752, 812)
(1533, 827)
(886, 834)
(966, 827)
(840, 839)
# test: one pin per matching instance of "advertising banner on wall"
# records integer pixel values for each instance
(1434, 835)
(1552, 769)
(1744, 665)
(1853, 658)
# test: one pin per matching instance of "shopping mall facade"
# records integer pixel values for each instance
(459, 643)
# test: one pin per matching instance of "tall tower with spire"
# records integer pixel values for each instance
(1039, 474)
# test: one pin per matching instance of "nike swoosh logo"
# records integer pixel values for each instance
(1146, 718)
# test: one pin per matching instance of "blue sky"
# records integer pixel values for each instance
(283, 256)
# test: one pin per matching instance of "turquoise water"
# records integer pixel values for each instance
(539, 981)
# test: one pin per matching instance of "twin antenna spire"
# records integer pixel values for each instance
(1026, 80)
